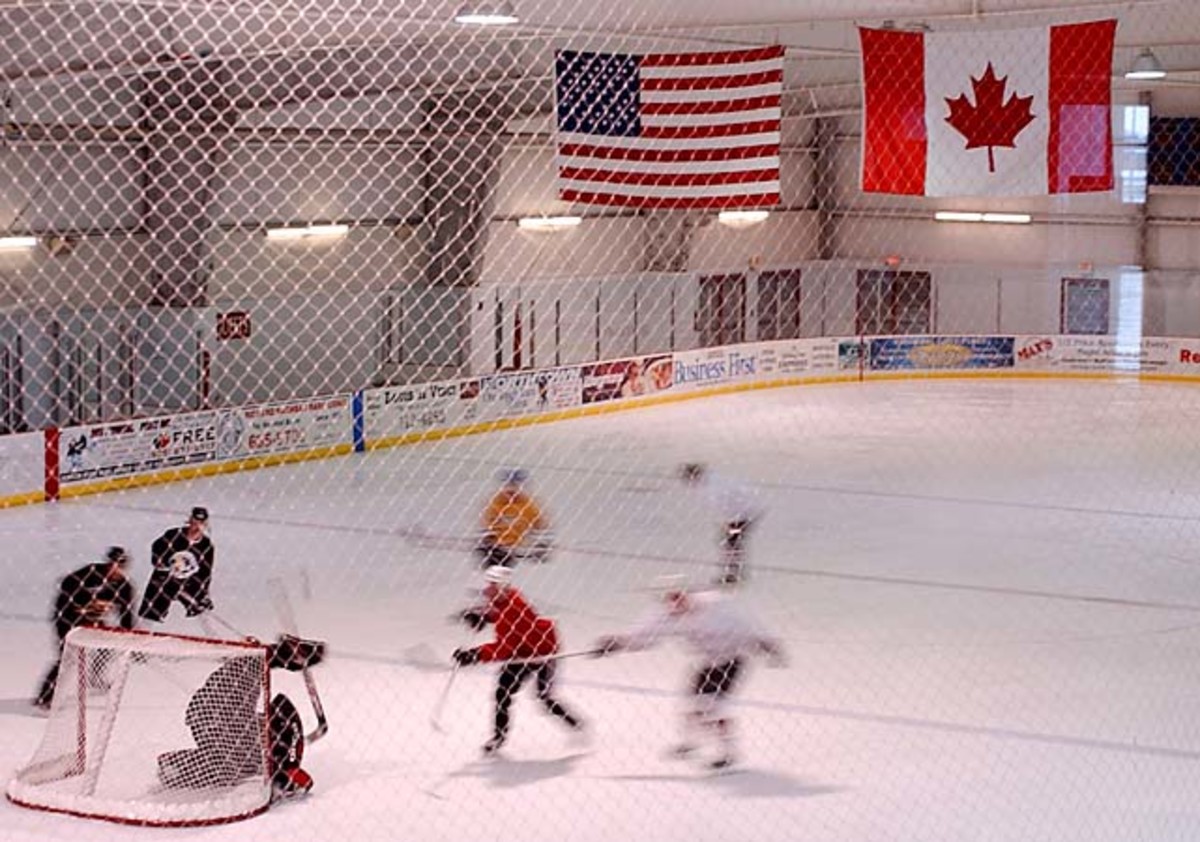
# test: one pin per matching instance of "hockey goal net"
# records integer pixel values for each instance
(153, 729)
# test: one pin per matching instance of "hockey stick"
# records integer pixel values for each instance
(287, 619)
(435, 718)
(582, 653)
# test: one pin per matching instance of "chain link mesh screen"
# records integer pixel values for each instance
(325, 270)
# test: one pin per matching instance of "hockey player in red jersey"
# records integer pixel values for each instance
(525, 643)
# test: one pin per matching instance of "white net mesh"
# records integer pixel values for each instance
(152, 729)
(330, 269)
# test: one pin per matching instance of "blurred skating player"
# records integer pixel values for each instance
(90, 596)
(724, 638)
(182, 568)
(737, 506)
(525, 643)
(514, 526)
(228, 730)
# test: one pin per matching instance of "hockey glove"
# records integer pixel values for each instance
(474, 619)
(466, 657)
(196, 607)
(295, 653)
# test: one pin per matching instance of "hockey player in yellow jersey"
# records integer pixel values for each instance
(514, 526)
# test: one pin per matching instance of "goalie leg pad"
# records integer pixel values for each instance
(288, 779)
(287, 735)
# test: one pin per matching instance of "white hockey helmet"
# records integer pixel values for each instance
(498, 575)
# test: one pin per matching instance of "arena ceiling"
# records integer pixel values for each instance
(276, 53)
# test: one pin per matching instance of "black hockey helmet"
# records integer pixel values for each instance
(116, 555)
(199, 513)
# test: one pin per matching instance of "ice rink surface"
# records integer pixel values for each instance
(989, 593)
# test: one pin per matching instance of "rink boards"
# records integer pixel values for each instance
(87, 459)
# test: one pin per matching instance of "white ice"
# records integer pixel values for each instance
(988, 592)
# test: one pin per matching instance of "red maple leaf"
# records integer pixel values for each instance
(991, 121)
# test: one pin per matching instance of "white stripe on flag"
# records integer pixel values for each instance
(722, 119)
(706, 71)
(711, 94)
(616, 142)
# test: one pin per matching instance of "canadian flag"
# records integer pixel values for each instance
(1009, 112)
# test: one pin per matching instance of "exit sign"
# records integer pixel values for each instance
(234, 325)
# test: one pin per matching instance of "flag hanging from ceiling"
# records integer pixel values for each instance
(1002, 112)
(682, 130)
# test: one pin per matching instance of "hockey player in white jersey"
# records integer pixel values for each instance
(724, 637)
(737, 505)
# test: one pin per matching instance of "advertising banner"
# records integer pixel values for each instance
(927, 353)
(528, 392)
(1081, 353)
(716, 366)
(399, 410)
(850, 354)
(125, 448)
(628, 378)
(283, 427)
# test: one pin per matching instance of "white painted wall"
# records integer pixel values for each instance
(317, 306)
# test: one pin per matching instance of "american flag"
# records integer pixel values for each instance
(677, 130)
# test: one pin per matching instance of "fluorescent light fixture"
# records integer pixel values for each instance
(1146, 66)
(548, 223)
(742, 218)
(18, 242)
(976, 216)
(486, 14)
(958, 216)
(306, 232)
(1008, 218)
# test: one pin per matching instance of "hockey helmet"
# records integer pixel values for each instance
(514, 476)
(498, 574)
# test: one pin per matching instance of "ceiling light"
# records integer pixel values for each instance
(958, 216)
(548, 223)
(484, 13)
(742, 218)
(1008, 218)
(1146, 66)
(307, 232)
(18, 242)
(977, 216)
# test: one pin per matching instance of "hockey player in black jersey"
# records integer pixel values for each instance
(89, 596)
(182, 567)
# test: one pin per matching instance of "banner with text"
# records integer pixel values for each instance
(282, 427)
(1094, 354)
(931, 353)
(101, 451)
(529, 392)
(401, 410)
(716, 366)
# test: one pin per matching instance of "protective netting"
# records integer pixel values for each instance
(325, 272)
(152, 729)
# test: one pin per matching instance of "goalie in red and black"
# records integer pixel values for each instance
(90, 596)
(525, 643)
(225, 722)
